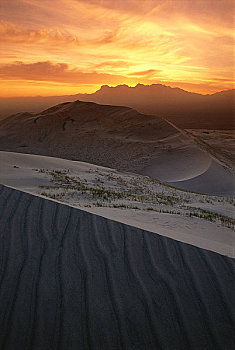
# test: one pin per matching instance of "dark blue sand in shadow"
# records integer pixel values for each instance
(74, 280)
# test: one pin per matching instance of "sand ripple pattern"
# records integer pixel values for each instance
(73, 280)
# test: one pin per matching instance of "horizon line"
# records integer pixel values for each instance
(116, 86)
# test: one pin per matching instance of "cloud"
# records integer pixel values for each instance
(22, 34)
(110, 36)
(12, 33)
(56, 72)
(147, 73)
(114, 64)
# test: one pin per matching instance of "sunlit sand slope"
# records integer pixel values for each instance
(73, 280)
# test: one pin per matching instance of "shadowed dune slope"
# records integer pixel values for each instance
(217, 180)
(197, 173)
(74, 280)
(111, 136)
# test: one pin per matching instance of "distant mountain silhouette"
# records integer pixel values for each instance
(183, 108)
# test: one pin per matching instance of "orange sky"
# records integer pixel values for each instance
(57, 47)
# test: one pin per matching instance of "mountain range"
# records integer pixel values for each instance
(183, 108)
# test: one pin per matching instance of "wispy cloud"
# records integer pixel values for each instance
(147, 73)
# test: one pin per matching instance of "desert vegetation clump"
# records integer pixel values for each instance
(110, 189)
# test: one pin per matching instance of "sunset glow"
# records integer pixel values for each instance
(70, 46)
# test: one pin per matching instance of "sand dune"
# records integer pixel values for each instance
(215, 180)
(218, 143)
(116, 137)
(181, 164)
(193, 171)
(73, 280)
(20, 171)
